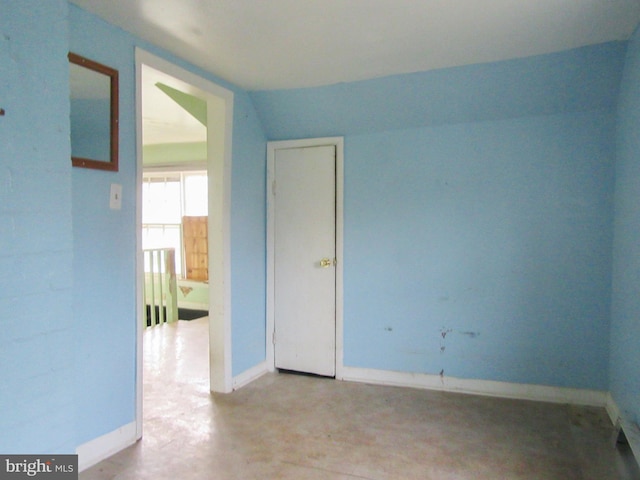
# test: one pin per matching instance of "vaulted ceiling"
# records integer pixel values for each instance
(279, 44)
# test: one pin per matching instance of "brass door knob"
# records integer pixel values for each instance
(325, 263)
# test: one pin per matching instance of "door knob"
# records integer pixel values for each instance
(325, 263)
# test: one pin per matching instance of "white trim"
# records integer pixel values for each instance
(140, 306)
(631, 432)
(338, 142)
(270, 305)
(612, 410)
(630, 429)
(219, 176)
(248, 376)
(541, 393)
(96, 450)
(187, 167)
(339, 256)
(221, 100)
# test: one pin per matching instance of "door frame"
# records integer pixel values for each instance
(338, 142)
(219, 142)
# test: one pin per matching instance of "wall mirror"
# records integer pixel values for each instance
(94, 114)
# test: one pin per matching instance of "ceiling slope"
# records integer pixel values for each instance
(281, 44)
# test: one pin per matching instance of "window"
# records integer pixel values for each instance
(166, 198)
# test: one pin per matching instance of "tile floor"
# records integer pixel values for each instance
(285, 426)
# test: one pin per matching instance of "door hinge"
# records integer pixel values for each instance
(273, 337)
(273, 188)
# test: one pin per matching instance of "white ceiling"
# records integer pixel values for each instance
(163, 120)
(275, 44)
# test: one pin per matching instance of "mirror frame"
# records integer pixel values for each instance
(112, 163)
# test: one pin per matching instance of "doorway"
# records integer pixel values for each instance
(327, 268)
(218, 103)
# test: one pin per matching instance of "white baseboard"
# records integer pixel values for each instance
(632, 433)
(612, 409)
(98, 449)
(517, 391)
(249, 376)
(630, 429)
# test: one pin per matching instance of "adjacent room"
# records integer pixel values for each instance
(174, 199)
(414, 224)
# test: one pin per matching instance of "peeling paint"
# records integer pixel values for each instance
(445, 331)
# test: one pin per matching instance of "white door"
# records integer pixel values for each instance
(304, 259)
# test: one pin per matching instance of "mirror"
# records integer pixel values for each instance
(94, 114)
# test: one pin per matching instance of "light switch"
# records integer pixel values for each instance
(115, 199)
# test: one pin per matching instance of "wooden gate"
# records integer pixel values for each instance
(196, 253)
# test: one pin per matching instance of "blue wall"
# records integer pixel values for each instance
(478, 214)
(104, 242)
(105, 252)
(478, 225)
(248, 238)
(625, 328)
(482, 250)
(583, 79)
(67, 299)
(37, 382)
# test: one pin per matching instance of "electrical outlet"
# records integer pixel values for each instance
(115, 198)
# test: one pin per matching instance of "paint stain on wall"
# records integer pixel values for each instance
(443, 333)
(470, 334)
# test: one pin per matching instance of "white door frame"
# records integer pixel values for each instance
(220, 104)
(338, 142)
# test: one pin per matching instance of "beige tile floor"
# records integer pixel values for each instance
(285, 426)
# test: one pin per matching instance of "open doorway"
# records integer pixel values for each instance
(184, 136)
(174, 199)
(174, 242)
